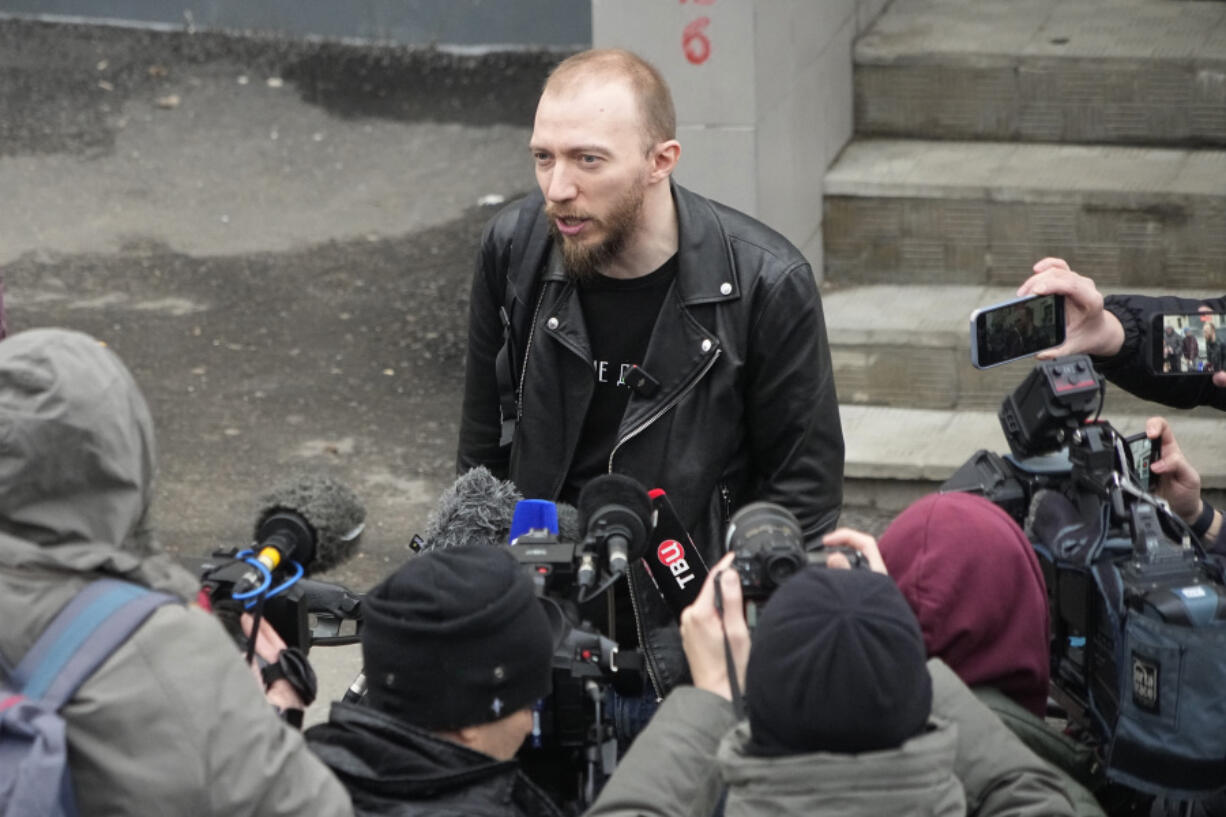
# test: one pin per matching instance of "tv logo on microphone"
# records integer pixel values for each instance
(672, 555)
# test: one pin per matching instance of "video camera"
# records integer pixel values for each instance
(614, 518)
(306, 613)
(1138, 615)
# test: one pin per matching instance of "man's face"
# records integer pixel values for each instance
(592, 165)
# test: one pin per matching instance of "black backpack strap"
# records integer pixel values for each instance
(528, 239)
(504, 370)
(82, 636)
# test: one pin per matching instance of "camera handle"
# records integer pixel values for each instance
(601, 749)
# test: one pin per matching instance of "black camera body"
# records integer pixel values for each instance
(1131, 595)
(770, 548)
(573, 748)
(310, 613)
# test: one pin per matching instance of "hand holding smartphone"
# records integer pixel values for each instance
(1016, 329)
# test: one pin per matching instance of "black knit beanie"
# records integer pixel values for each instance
(837, 665)
(456, 638)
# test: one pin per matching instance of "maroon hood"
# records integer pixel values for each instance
(972, 578)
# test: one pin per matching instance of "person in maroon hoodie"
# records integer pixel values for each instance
(972, 579)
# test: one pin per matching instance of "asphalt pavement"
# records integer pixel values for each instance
(277, 237)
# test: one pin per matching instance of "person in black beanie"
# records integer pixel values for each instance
(457, 650)
(838, 665)
(843, 716)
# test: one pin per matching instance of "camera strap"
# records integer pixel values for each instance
(734, 686)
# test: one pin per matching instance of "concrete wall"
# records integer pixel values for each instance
(763, 90)
(518, 23)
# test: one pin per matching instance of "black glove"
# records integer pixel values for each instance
(293, 666)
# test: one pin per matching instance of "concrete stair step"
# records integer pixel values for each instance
(896, 455)
(1103, 71)
(909, 347)
(921, 211)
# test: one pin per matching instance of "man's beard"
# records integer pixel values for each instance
(584, 262)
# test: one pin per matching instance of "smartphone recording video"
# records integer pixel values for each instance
(1189, 343)
(1016, 329)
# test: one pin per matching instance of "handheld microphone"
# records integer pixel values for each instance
(615, 512)
(313, 520)
(676, 566)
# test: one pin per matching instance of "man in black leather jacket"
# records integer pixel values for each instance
(621, 323)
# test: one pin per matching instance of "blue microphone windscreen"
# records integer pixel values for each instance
(534, 514)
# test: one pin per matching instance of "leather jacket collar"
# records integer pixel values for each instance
(704, 263)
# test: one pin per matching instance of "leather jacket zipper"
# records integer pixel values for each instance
(664, 409)
(631, 588)
(523, 370)
(650, 663)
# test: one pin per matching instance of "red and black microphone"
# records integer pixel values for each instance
(674, 562)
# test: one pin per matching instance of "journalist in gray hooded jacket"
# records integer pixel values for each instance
(967, 763)
(172, 723)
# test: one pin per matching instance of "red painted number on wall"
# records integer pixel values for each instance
(694, 41)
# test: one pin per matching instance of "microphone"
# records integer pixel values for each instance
(538, 517)
(569, 529)
(676, 566)
(478, 509)
(313, 520)
(614, 510)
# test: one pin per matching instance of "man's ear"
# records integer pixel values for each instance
(664, 157)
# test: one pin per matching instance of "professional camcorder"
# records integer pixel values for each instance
(1138, 614)
(308, 525)
(569, 570)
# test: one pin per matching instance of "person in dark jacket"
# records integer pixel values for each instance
(1119, 332)
(1191, 349)
(457, 650)
(621, 323)
(1171, 349)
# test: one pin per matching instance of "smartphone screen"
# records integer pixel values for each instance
(1189, 343)
(1143, 453)
(1016, 329)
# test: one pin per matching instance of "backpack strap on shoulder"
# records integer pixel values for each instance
(82, 636)
(524, 252)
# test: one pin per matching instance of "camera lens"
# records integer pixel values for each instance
(781, 567)
(762, 525)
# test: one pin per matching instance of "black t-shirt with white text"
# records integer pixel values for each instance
(620, 314)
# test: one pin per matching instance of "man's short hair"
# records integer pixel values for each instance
(647, 83)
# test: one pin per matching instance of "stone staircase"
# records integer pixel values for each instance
(989, 134)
